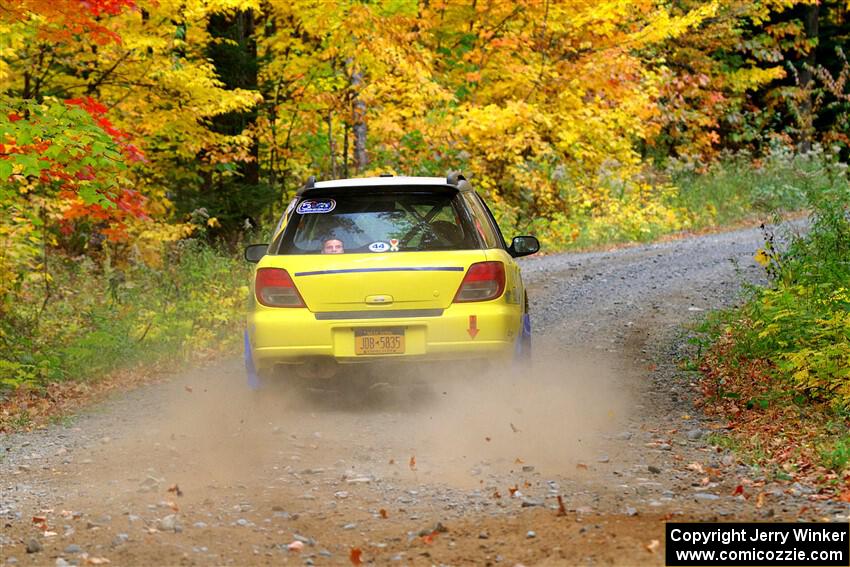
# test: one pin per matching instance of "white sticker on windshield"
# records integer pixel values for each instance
(313, 206)
(379, 247)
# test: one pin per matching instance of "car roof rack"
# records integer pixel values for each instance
(454, 178)
(309, 184)
(453, 181)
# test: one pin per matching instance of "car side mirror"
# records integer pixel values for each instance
(523, 246)
(255, 252)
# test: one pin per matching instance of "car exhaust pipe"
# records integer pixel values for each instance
(317, 368)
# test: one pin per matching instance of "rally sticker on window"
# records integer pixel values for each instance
(379, 246)
(313, 206)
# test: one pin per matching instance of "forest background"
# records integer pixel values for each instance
(143, 141)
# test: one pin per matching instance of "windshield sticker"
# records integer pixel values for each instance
(393, 244)
(379, 247)
(313, 206)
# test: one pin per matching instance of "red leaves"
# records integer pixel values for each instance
(88, 104)
(562, 510)
(108, 7)
(64, 19)
(355, 556)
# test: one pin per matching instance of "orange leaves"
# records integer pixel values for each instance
(412, 463)
(355, 556)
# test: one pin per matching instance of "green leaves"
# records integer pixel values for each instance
(6, 168)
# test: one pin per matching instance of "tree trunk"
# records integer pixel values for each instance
(331, 144)
(807, 117)
(345, 131)
(361, 158)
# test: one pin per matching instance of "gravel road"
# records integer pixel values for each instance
(425, 469)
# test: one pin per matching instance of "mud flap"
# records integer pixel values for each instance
(522, 352)
(250, 369)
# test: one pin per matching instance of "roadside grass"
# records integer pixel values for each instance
(777, 368)
(93, 317)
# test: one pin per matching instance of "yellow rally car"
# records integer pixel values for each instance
(385, 268)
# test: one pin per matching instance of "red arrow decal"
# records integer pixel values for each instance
(473, 326)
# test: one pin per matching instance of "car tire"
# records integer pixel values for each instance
(265, 379)
(522, 354)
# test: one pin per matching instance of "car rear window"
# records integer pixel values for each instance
(364, 221)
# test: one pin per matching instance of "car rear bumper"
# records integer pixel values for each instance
(473, 330)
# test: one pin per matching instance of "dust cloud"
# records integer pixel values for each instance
(459, 424)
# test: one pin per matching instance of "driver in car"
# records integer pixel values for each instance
(333, 246)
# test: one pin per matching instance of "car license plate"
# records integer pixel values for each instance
(379, 341)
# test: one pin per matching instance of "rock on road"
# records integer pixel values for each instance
(456, 469)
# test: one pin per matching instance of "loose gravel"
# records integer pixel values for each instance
(573, 461)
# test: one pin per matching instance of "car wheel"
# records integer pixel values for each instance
(253, 377)
(263, 379)
(522, 354)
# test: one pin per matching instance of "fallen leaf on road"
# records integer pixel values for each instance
(39, 519)
(497, 495)
(652, 546)
(513, 489)
(518, 461)
(581, 466)
(412, 463)
(354, 556)
(175, 489)
(383, 513)
(738, 490)
(562, 510)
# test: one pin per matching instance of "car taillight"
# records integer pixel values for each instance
(274, 288)
(483, 281)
